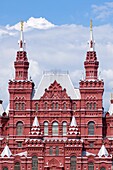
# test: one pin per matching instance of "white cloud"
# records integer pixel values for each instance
(58, 47)
(38, 23)
(103, 11)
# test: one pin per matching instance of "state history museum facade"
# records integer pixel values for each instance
(56, 126)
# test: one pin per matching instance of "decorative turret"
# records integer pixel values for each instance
(6, 152)
(35, 130)
(73, 131)
(103, 152)
(21, 64)
(91, 64)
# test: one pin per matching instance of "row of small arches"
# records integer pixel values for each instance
(91, 106)
(54, 106)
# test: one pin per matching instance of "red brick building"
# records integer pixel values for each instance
(56, 127)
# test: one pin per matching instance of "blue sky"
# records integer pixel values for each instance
(56, 11)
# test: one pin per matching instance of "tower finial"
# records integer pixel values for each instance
(22, 25)
(91, 25)
(91, 42)
(21, 41)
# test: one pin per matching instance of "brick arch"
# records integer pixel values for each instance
(54, 163)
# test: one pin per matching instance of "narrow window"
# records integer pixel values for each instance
(64, 105)
(19, 128)
(94, 105)
(91, 166)
(23, 106)
(45, 105)
(57, 150)
(74, 106)
(36, 107)
(53, 106)
(87, 105)
(45, 128)
(90, 106)
(64, 128)
(56, 105)
(17, 166)
(91, 128)
(73, 163)
(16, 106)
(51, 150)
(34, 163)
(55, 129)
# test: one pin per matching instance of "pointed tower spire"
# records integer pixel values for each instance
(91, 42)
(21, 41)
(21, 64)
(91, 64)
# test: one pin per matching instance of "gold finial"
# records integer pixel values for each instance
(22, 25)
(91, 25)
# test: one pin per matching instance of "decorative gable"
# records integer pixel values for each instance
(55, 92)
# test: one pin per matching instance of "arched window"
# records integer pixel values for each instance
(23, 106)
(87, 105)
(51, 150)
(57, 151)
(64, 128)
(17, 166)
(56, 105)
(16, 106)
(34, 163)
(5, 168)
(45, 128)
(55, 129)
(19, 129)
(73, 163)
(45, 106)
(91, 128)
(102, 168)
(74, 106)
(53, 105)
(64, 105)
(90, 105)
(91, 166)
(94, 105)
(36, 107)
